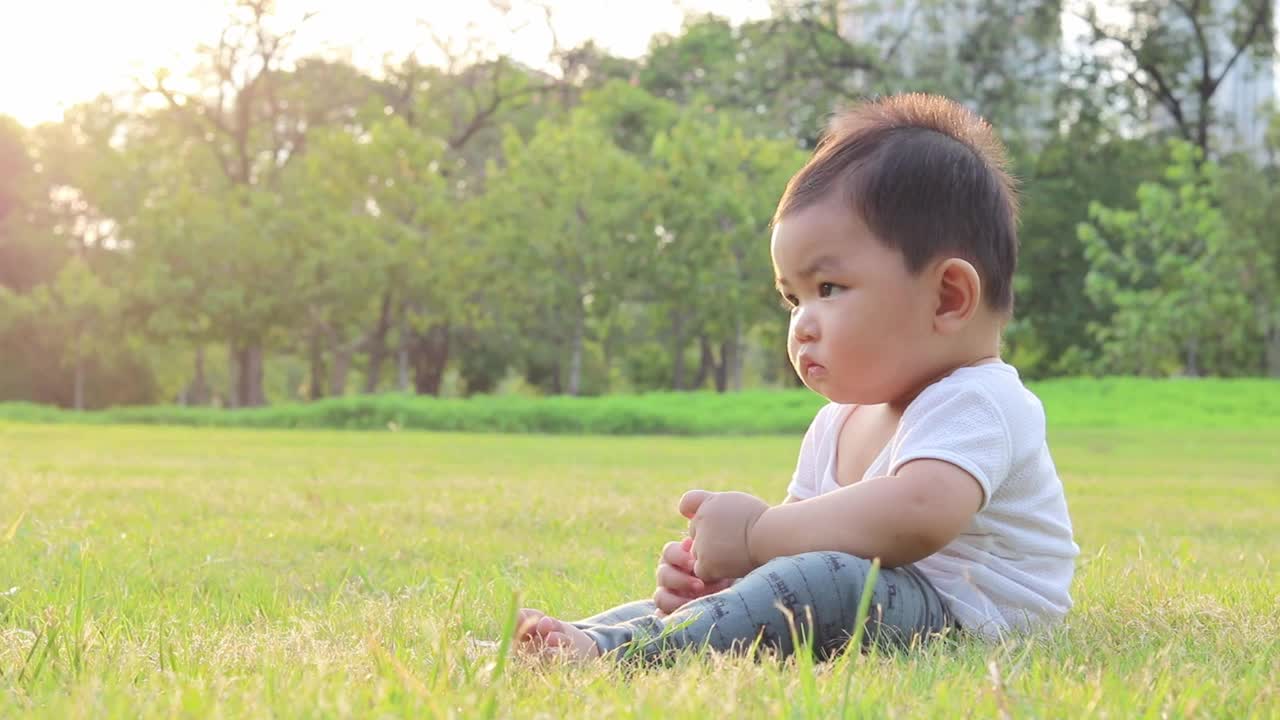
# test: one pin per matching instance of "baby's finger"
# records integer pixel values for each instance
(667, 601)
(704, 572)
(679, 581)
(717, 586)
(675, 554)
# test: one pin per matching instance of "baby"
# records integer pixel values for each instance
(894, 249)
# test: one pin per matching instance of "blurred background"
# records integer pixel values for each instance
(233, 204)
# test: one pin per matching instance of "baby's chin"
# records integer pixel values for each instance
(828, 390)
(843, 395)
(842, 399)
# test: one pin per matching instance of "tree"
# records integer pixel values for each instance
(1000, 57)
(1084, 164)
(566, 212)
(467, 104)
(1251, 203)
(1176, 53)
(780, 76)
(1175, 275)
(12, 310)
(251, 114)
(68, 234)
(80, 311)
(15, 171)
(715, 189)
(389, 245)
(25, 259)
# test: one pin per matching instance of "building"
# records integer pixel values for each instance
(1241, 104)
(926, 40)
(924, 46)
(1241, 101)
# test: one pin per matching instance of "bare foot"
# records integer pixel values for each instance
(541, 636)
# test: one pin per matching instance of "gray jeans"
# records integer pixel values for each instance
(820, 590)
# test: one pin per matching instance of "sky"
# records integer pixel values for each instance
(56, 53)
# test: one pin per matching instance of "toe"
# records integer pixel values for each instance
(527, 620)
(547, 625)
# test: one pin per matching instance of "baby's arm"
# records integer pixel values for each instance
(898, 518)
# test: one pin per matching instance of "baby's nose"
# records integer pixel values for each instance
(804, 328)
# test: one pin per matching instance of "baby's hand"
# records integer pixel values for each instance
(677, 584)
(720, 524)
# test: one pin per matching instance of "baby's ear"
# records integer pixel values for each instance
(959, 293)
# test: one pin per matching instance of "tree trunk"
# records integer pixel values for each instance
(257, 365)
(78, 390)
(244, 377)
(607, 350)
(722, 370)
(1273, 351)
(677, 350)
(1193, 358)
(402, 354)
(316, 389)
(735, 367)
(338, 371)
(378, 346)
(1202, 126)
(249, 377)
(706, 363)
(402, 368)
(233, 376)
(428, 355)
(575, 356)
(198, 391)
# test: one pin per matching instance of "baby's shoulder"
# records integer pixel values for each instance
(825, 426)
(997, 390)
(826, 416)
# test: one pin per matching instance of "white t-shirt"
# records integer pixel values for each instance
(1011, 568)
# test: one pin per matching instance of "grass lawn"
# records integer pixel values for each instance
(153, 572)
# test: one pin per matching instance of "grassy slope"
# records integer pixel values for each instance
(301, 573)
(1070, 403)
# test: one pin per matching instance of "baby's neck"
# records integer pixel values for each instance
(980, 346)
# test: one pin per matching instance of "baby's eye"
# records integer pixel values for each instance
(827, 289)
(789, 302)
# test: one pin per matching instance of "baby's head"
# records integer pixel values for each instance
(895, 247)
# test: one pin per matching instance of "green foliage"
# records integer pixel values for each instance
(715, 188)
(302, 227)
(564, 215)
(1050, 334)
(779, 77)
(631, 115)
(79, 306)
(1251, 204)
(1174, 272)
(15, 178)
(383, 228)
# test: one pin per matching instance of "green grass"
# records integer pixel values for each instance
(1070, 403)
(163, 572)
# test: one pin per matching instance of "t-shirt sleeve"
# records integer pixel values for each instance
(962, 426)
(804, 481)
